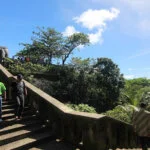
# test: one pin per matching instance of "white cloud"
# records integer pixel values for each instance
(96, 18)
(93, 20)
(142, 69)
(134, 17)
(69, 31)
(138, 73)
(129, 76)
(131, 69)
(96, 37)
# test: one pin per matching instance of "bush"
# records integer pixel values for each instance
(8, 60)
(148, 107)
(122, 113)
(26, 68)
(82, 108)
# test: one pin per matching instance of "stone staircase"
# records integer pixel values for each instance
(28, 133)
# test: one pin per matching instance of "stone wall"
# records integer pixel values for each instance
(95, 131)
(3, 53)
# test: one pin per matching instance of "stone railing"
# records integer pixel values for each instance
(95, 131)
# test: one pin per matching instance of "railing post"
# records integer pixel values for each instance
(72, 132)
(94, 136)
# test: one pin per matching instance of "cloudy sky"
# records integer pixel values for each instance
(117, 29)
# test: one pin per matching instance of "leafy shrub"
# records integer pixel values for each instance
(82, 108)
(17, 69)
(148, 107)
(146, 98)
(26, 68)
(8, 60)
(42, 84)
(122, 113)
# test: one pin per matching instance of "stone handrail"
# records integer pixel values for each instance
(95, 131)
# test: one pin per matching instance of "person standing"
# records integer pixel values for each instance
(2, 93)
(21, 92)
(141, 124)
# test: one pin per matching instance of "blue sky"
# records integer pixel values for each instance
(118, 29)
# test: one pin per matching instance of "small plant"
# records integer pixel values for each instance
(26, 68)
(148, 107)
(8, 60)
(122, 113)
(82, 108)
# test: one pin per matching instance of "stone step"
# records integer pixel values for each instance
(8, 110)
(6, 106)
(12, 115)
(12, 121)
(8, 102)
(12, 110)
(11, 106)
(25, 143)
(55, 145)
(18, 126)
(23, 133)
(7, 116)
(130, 149)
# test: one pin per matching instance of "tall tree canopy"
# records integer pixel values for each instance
(52, 44)
(73, 42)
(107, 84)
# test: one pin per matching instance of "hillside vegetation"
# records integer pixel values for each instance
(91, 85)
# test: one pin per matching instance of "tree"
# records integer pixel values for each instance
(73, 42)
(81, 64)
(135, 88)
(107, 84)
(47, 42)
(28, 50)
(51, 44)
(146, 97)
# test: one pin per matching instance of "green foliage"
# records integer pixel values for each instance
(63, 88)
(99, 88)
(122, 113)
(146, 97)
(81, 64)
(17, 68)
(30, 78)
(148, 107)
(26, 68)
(97, 84)
(105, 84)
(72, 42)
(82, 108)
(134, 90)
(53, 45)
(8, 60)
(43, 84)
